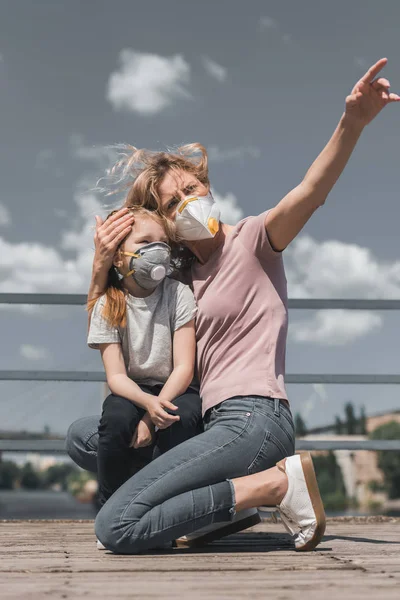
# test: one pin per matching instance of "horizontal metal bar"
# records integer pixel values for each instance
(344, 303)
(52, 376)
(300, 378)
(56, 299)
(46, 446)
(347, 445)
(343, 378)
(297, 303)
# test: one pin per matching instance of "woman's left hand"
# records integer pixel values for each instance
(369, 96)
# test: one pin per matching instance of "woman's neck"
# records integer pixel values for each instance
(203, 249)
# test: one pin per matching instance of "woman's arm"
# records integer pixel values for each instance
(366, 100)
(121, 385)
(184, 351)
(108, 236)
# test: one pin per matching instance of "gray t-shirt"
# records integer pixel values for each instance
(147, 338)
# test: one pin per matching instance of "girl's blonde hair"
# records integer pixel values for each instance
(114, 310)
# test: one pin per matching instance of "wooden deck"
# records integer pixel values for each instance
(358, 559)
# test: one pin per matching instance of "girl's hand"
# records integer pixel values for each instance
(369, 96)
(109, 234)
(144, 433)
(159, 416)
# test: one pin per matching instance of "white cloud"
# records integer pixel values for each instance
(99, 155)
(268, 23)
(218, 155)
(335, 327)
(334, 269)
(5, 217)
(33, 352)
(148, 83)
(231, 212)
(214, 69)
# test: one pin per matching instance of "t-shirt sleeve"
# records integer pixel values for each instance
(254, 237)
(100, 331)
(185, 306)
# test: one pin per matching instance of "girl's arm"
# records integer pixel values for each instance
(366, 100)
(184, 351)
(121, 385)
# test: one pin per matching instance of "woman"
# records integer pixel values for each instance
(244, 457)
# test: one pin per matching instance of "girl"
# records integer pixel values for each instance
(144, 327)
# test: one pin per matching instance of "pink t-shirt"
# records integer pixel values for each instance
(242, 319)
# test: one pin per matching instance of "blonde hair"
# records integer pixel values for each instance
(114, 310)
(139, 172)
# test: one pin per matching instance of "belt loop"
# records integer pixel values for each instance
(277, 407)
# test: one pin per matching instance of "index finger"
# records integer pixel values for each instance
(374, 70)
(118, 214)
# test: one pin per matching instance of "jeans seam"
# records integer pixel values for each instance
(87, 439)
(277, 422)
(179, 466)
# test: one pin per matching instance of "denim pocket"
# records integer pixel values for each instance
(272, 450)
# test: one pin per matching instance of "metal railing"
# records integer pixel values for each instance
(303, 378)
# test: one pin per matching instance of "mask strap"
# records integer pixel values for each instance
(135, 255)
(185, 203)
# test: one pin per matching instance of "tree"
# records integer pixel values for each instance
(338, 426)
(330, 482)
(351, 420)
(9, 472)
(389, 460)
(59, 473)
(362, 424)
(300, 426)
(30, 479)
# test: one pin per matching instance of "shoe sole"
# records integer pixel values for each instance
(316, 501)
(219, 533)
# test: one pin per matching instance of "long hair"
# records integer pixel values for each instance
(114, 310)
(138, 173)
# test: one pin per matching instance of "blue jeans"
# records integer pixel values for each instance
(103, 446)
(189, 487)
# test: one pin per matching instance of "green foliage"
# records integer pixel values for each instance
(30, 478)
(59, 474)
(300, 426)
(389, 461)
(351, 419)
(352, 424)
(77, 481)
(9, 473)
(330, 482)
(338, 426)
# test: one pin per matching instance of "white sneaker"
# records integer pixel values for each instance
(301, 510)
(242, 520)
(100, 546)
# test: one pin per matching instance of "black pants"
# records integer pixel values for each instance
(116, 461)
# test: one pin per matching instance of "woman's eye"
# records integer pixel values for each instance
(172, 204)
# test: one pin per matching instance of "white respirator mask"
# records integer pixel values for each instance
(197, 218)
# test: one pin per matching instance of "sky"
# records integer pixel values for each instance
(260, 84)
